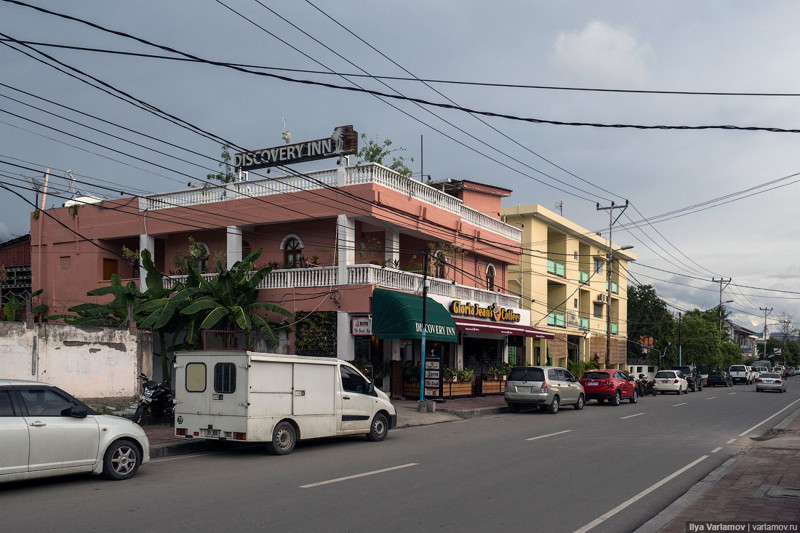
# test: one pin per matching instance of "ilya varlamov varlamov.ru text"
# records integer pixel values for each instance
(741, 526)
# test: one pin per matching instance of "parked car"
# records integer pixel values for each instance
(720, 378)
(771, 381)
(740, 373)
(609, 384)
(779, 369)
(692, 376)
(546, 387)
(754, 373)
(46, 432)
(671, 381)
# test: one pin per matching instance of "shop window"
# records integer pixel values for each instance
(490, 274)
(225, 378)
(292, 248)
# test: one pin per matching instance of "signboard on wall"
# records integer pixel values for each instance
(433, 377)
(343, 141)
(361, 326)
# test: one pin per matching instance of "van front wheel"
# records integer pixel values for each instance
(284, 438)
(379, 428)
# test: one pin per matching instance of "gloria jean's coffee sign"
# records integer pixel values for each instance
(344, 141)
(493, 312)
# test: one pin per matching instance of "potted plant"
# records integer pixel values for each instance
(450, 374)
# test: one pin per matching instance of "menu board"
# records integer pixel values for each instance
(433, 377)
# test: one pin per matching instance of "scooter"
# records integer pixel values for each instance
(156, 401)
(647, 387)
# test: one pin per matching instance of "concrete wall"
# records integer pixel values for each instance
(86, 362)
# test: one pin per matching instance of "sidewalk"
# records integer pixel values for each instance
(163, 443)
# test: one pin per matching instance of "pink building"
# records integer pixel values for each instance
(333, 237)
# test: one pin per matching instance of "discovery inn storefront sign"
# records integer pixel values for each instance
(344, 141)
(493, 312)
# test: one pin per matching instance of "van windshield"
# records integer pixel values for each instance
(526, 374)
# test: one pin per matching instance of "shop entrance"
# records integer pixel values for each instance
(481, 354)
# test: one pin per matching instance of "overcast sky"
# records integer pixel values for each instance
(678, 46)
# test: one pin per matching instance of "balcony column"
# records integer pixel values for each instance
(392, 244)
(346, 245)
(146, 242)
(234, 249)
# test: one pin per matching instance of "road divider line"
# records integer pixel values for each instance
(731, 393)
(711, 398)
(715, 450)
(631, 416)
(621, 507)
(731, 441)
(678, 404)
(768, 418)
(550, 435)
(356, 476)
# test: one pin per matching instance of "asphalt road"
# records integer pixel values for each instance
(601, 469)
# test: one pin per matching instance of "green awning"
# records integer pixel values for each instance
(398, 315)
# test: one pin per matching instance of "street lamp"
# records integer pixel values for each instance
(608, 297)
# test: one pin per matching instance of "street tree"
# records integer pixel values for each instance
(648, 318)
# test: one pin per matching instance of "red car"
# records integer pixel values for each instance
(609, 384)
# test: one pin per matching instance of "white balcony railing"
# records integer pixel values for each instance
(366, 173)
(387, 278)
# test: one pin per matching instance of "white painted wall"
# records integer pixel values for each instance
(86, 362)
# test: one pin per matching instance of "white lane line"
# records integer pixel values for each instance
(711, 398)
(731, 441)
(355, 476)
(763, 421)
(715, 450)
(677, 404)
(731, 393)
(631, 416)
(550, 435)
(597, 521)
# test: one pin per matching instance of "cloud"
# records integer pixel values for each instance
(601, 54)
(5, 233)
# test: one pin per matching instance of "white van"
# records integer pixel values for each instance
(230, 396)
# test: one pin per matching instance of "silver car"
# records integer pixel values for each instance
(770, 381)
(547, 387)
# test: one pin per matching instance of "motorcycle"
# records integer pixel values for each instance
(647, 387)
(156, 401)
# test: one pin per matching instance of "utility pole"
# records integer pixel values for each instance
(767, 310)
(424, 328)
(680, 339)
(611, 221)
(726, 282)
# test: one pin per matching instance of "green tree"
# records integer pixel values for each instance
(14, 308)
(225, 175)
(373, 151)
(648, 316)
(701, 339)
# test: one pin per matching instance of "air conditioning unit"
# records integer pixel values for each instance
(602, 298)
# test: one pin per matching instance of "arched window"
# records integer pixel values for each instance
(292, 248)
(490, 274)
(439, 264)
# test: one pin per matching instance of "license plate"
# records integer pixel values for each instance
(523, 389)
(592, 384)
(212, 433)
(664, 381)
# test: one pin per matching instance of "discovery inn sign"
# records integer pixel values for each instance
(344, 141)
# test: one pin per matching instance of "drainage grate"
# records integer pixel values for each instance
(773, 491)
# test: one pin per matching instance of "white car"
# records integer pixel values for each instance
(46, 432)
(771, 381)
(671, 381)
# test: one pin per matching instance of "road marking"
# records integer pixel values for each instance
(597, 521)
(763, 421)
(715, 450)
(731, 393)
(550, 435)
(711, 398)
(677, 404)
(731, 441)
(631, 416)
(355, 476)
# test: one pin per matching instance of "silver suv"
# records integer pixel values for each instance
(547, 387)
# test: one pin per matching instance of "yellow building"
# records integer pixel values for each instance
(563, 280)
